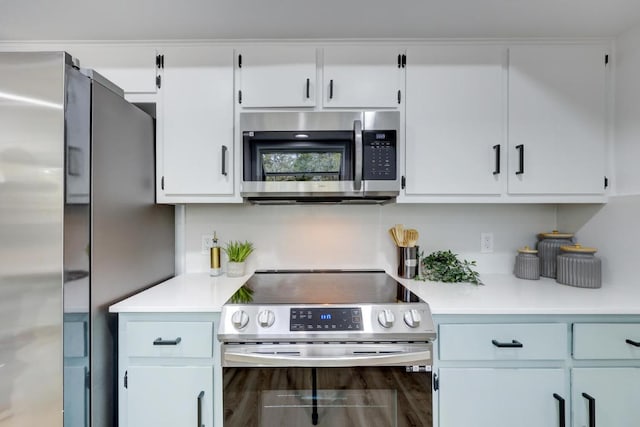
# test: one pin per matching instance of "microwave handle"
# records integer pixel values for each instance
(357, 131)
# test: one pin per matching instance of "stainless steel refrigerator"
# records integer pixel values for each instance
(79, 230)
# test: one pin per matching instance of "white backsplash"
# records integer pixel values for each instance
(357, 236)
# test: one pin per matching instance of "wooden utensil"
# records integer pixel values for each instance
(411, 237)
(393, 236)
(399, 232)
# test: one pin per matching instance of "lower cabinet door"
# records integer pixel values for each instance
(613, 394)
(170, 396)
(501, 397)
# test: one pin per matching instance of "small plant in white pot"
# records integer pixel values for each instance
(237, 253)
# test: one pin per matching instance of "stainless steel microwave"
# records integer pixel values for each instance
(333, 157)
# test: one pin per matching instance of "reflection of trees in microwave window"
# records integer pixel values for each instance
(305, 166)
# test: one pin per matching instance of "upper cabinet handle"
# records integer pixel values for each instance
(331, 89)
(561, 409)
(632, 342)
(496, 169)
(308, 82)
(199, 418)
(512, 344)
(520, 149)
(224, 160)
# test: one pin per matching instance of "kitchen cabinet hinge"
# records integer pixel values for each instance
(239, 97)
(126, 379)
(606, 182)
(436, 382)
(404, 60)
(403, 182)
(399, 97)
(162, 182)
(159, 61)
(158, 81)
(239, 61)
(606, 59)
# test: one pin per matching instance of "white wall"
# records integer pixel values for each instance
(358, 237)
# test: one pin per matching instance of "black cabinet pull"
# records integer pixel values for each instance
(224, 160)
(632, 342)
(496, 169)
(200, 397)
(160, 341)
(308, 82)
(512, 344)
(520, 149)
(592, 409)
(331, 89)
(561, 416)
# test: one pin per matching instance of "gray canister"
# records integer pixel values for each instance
(549, 249)
(527, 264)
(578, 266)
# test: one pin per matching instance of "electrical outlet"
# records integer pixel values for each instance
(207, 242)
(486, 242)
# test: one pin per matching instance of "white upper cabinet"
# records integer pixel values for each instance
(455, 117)
(276, 76)
(557, 118)
(362, 77)
(133, 68)
(195, 125)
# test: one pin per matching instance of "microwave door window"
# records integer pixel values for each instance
(300, 165)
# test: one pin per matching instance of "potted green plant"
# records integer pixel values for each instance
(237, 253)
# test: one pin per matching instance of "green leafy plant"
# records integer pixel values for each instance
(238, 251)
(444, 266)
(242, 296)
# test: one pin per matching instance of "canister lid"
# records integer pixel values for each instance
(578, 249)
(527, 250)
(555, 234)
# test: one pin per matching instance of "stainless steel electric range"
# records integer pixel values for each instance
(326, 347)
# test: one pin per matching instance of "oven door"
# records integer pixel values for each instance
(327, 385)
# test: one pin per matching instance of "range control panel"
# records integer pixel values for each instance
(325, 319)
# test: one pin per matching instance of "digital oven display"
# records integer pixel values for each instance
(325, 319)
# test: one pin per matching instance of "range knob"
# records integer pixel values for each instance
(266, 318)
(386, 318)
(412, 318)
(240, 319)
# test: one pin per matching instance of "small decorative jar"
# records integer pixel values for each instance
(549, 249)
(527, 264)
(577, 266)
(235, 269)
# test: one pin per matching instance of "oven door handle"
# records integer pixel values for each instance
(279, 360)
(357, 133)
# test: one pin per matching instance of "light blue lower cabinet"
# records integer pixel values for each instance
(614, 395)
(170, 396)
(502, 397)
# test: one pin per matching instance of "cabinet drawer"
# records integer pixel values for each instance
(606, 340)
(531, 341)
(170, 339)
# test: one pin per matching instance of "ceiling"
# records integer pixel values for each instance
(303, 19)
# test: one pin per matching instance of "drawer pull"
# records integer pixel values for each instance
(512, 344)
(561, 415)
(160, 341)
(199, 420)
(633, 343)
(592, 409)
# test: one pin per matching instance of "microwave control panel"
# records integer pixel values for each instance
(379, 151)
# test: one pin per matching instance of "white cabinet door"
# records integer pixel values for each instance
(169, 396)
(557, 119)
(133, 68)
(277, 76)
(615, 392)
(455, 120)
(501, 397)
(195, 125)
(361, 77)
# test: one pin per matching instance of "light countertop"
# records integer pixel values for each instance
(501, 294)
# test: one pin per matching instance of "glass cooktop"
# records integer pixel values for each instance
(325, 287)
